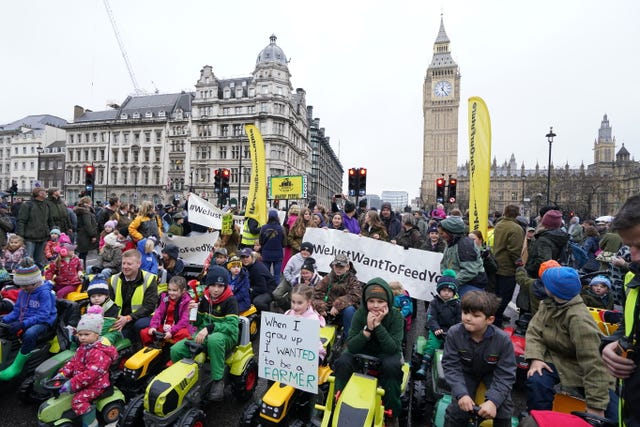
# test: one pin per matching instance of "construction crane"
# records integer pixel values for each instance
(136, 88)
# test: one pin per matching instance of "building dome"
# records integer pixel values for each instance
(272, 53)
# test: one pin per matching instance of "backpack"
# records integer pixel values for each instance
(577, 253)
(149, 228)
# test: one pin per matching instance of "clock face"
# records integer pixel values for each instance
(442, 88)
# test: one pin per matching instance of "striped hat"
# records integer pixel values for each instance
(27, 273)
(98, 286)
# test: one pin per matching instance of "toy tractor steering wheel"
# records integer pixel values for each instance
(367, 363)
(595, 420)
(54, 384)
(194, 347)
(158, 336)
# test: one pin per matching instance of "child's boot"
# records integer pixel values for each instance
(15, 368)
(216, 393)
(89, 418)
(424, 367)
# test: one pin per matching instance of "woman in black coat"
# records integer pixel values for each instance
(87, 234)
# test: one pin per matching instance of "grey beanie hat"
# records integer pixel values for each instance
(454, 225)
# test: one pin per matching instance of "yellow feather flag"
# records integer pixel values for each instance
(479, 164)
(257, 199)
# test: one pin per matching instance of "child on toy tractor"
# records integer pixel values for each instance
(88, 370)
(444, 311)
(217, 325)
(477, 351)
(376, 330)
(33, 314)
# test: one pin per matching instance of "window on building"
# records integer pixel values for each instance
(136, 137)
(278, 128)
(226, 111)
(159, 136)
(156, 177)
(94, 155)
(237, 130)
(146, 156)
(265, 89)
(251, 109)
(147, 137)
(157, 152)
(102, 151)
(145, 178)
(32, 165)
(222, 152)
(126, 137)
(71, 138)
(125, 156)
(114, 156)
(235, 152)
(136, 156)
(114, 177)
(94, 137)
(116, 137)
(103, 137)
(24, 150)
(238, 110)
(224, 130)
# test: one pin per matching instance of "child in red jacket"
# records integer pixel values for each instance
(65, 271)
(88, 369)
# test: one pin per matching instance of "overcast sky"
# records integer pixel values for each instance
(362, 63)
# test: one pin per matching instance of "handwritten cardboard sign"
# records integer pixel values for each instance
(289, 350)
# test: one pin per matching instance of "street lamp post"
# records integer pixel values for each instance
(550, 137)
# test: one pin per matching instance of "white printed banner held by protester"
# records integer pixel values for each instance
(193, 249)
(416, 269)
(289, 350)
(203, 213)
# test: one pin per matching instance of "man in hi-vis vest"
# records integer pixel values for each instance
(136, 293)
(622, 353)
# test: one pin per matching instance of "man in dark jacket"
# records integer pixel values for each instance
(34, 225)
(261, 280)
(508, 237)
(550, 242)
(377, 330)
(58, 210)
(108, 212)
(389, 219)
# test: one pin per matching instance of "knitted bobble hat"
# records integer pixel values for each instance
(92, 321)
(562, 282)
(27, 273)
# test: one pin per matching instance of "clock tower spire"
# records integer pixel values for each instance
(441, 105)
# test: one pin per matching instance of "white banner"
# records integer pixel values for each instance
(203, 213)
(416, 269)
(193, 249)
(289, 350)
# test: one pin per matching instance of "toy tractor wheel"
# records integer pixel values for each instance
(111, 412)
(297, 423)
(132, 414)
(419, 404)
(251, 415)
(192, 418)
(254, 327)
(245, 384)
(25, 390)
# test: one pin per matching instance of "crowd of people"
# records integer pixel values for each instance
(45, 248)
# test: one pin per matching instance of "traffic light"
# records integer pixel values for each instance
(440, 182)
(226, 176)
(89, 178)
(14, 187)
(353, 182)
(217, 181)
(452, 190)
(362, 181)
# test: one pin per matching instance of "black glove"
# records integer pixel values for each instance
(15, 327)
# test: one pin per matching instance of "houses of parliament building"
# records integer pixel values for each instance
(589, 191)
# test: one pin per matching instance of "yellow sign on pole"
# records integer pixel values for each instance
(288, 187)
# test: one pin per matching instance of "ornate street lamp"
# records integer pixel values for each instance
(550, 137)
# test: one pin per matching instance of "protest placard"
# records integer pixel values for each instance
(416, 269)
(289, 350)
(193, 249)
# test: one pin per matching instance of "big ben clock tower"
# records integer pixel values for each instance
(441, 103)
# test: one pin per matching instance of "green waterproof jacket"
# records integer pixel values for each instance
(34, 221)
(386, 338)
